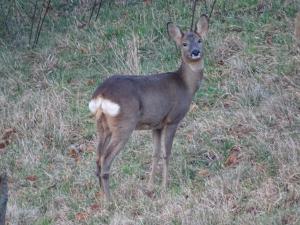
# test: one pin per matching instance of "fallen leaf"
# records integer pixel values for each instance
(205, 108)
(2, 145)
(82, 147)
(99, 194)
(260, 167)
(19, 163)
(81, 25)
(221, 62)
(31, 178)
(73, 153)
(81, 216)
(90, 148)
(150, 194)
(193, 107)
(295, 178)
(252, 210)
(226, 105)
(125, 15)
(84, 50)
(262, 6)
(241, 130)
(203, 173)
(90, 82)
(269, 40)
(233, 156)
(8, 132)
(236, 149)
(190, 135)
(95, 206)
(231, 160)
(289, 219)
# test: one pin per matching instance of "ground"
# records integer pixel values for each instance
(235, 157)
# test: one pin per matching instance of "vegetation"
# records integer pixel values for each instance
(236, 155)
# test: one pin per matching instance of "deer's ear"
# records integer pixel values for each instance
(202, 26)
(175, 33)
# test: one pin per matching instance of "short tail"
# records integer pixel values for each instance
(106, 106)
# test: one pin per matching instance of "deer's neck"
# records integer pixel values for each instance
(192, 75)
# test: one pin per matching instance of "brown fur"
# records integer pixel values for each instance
(157, 102)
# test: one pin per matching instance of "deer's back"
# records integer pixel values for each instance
(156, 99)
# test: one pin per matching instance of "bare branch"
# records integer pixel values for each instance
(98, 11)
(32, 21)
(194, 7)
(212, 8)
(6, 18)
(41, 24)
(206, 8)
(93, 8)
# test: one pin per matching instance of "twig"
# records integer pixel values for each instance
(98, 11)
(94, 6)
(3, 197)
(41, 25)
(194, 7)
(169, 11)
(212, 8)
(206, 8)
(32, 21)
(6, 17)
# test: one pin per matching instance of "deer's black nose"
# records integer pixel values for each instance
(195, 52)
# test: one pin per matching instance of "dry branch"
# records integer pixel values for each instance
(41, 22)
(32, 21)
(212, 8)
(193, 15)
(93, 8)
(98, 11)
(3, 197)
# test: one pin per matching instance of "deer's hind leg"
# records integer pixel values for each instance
(103, 136)
(118, 138)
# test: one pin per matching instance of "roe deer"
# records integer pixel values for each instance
(122, 104)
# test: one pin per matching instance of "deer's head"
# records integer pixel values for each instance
(191, 42)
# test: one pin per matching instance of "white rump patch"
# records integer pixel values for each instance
(110, 107)
(107, 106)
(95, 104)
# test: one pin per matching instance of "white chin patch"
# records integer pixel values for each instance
(196, 57)
(107, 106)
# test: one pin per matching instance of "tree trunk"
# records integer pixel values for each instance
(3, 197)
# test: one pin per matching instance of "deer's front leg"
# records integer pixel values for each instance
(167, 141)
(156, 135)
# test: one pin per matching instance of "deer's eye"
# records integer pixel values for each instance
(199, 41)
(184, 44)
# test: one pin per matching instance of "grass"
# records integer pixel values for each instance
(235, 158)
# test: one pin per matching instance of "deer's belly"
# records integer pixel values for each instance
(148, 126)
(172, 117)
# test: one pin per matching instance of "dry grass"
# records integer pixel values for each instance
(236, 156)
